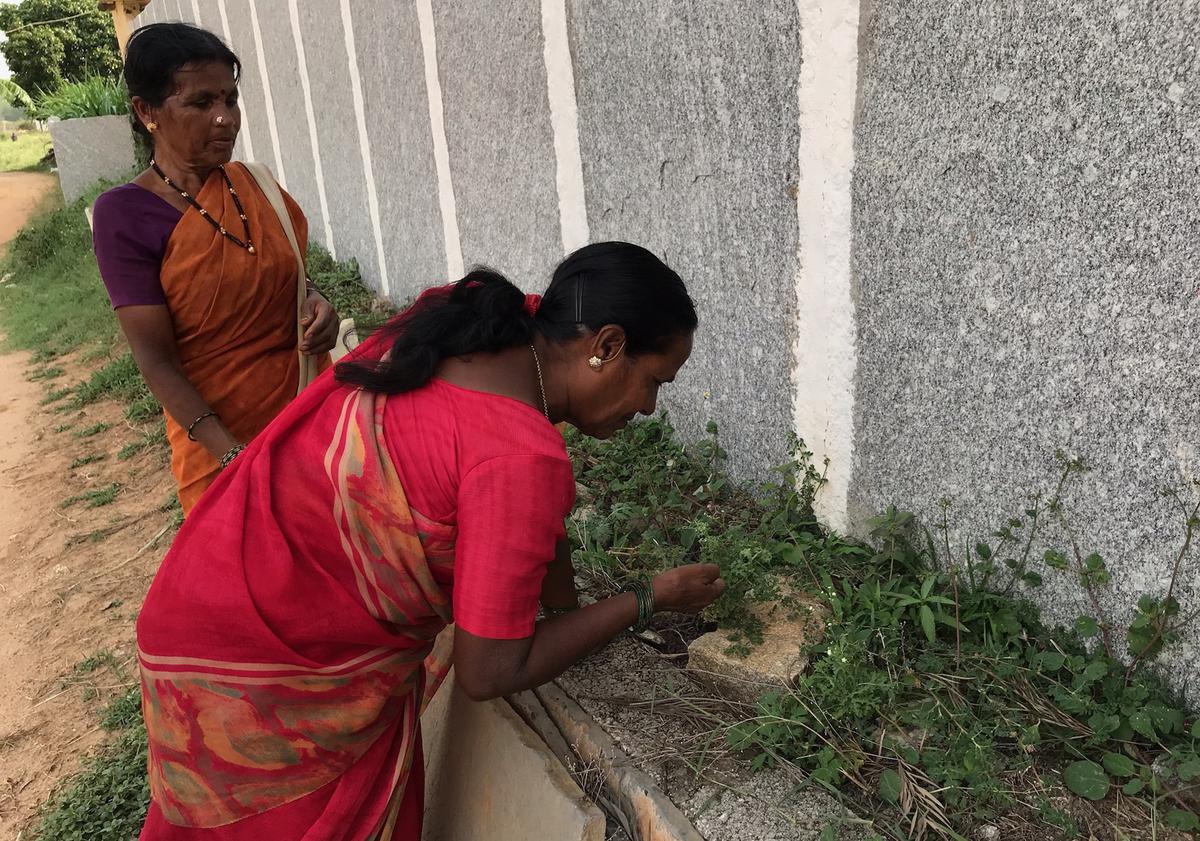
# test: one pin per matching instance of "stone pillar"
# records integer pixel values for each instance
(824, 353)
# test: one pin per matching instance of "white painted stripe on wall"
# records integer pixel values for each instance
(311, 114)
(564, 120)
(441, 149)
(364, 144)
(825, 351)
(264, 75)
(244, 134)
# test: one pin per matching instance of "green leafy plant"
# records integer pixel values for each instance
(939, 696)
(95, 96)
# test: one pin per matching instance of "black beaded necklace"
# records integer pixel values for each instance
(248, 244)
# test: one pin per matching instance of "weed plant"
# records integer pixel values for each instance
(939, 694)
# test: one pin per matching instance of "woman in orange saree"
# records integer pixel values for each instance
(199, 264)
(294, 631)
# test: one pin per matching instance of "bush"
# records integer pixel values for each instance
(96, 96)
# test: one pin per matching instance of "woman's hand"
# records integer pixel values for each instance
(688, 589)
(320, 324)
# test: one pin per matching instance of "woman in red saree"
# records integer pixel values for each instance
(198, 263)
(287, 644)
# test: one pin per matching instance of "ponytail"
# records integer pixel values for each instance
(602, 283)
(482, 313)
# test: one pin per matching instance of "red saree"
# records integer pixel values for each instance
(351, 701)
(287, 645)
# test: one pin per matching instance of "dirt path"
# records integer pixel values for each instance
(71, 576)
(20, 194)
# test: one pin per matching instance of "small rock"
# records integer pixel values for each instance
(775, 664)
(989, 832)
(1001, 93)
(1175, 92)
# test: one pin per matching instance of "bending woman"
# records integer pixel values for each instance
(287, 644)
(197, 264)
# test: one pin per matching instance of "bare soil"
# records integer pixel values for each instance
(20, 195)
(71, 578)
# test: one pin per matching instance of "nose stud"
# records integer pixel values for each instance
(220, 121)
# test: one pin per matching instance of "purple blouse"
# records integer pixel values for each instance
(130, 229)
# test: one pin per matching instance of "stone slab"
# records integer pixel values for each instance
(291, 117)
(653, 814)
(89, 149)
(499, 136)
(689, 133)
(648, 706)
(253, 100)
(397, 116)
(1026, 261)
(487, 775)
(775, 664)
(337, 134)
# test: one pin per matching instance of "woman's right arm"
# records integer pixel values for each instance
(151, 337)
(490, 668)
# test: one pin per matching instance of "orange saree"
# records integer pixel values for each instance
(235, 320)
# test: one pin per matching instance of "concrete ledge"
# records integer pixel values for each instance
(488, 776)
(652, 814)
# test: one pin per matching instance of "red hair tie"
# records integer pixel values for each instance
(532, 302)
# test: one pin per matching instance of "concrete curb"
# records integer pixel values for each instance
(489, 776)
(653, 816)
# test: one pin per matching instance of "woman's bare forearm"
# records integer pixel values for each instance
(181, 400)
(496, 668)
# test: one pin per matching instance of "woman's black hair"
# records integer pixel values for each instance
(155, 53)
(604, 283)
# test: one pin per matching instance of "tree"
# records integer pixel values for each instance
(55, 41)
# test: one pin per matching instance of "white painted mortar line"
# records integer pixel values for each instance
(269, 101)
(244, 134)
(441, 149)
(825, 353)
(564, 120)
(311, 114)
(364, 143)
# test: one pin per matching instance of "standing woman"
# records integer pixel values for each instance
(198, 264)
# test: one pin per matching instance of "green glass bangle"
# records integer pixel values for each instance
(644, 594)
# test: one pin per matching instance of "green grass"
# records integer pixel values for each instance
(107, 800)
(154, 439)
(55, 303)
(342, 285)
(119, 380)
(46, 374)
(88, 459)
(94, 429)
(26, 154)
(94, 498)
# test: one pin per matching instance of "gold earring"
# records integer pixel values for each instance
(152, 127)
(595, 362)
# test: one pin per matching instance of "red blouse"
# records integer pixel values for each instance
(497, 469)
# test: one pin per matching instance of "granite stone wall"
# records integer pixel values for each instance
(1027, 269)
(89, 149)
